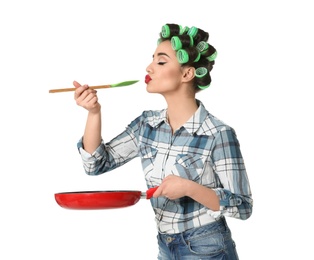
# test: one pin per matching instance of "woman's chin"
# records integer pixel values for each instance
(150, 89)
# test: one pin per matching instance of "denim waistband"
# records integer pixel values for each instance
(220, 224)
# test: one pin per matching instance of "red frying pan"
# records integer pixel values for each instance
(101, 199)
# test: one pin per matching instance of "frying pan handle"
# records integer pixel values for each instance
(150, 192)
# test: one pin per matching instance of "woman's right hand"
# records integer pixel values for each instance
(86, 97)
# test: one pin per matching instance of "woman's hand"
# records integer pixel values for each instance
(172, 187)
(86, 97)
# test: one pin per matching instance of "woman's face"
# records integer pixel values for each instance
(165, 72)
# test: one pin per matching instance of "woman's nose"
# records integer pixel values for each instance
(149, 68)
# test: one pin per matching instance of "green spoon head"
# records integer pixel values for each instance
(124, 83)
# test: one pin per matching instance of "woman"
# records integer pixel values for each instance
(193, 157)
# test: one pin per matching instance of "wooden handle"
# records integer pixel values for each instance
(73, 89)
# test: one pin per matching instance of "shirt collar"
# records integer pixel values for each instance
(158, 118)
(196, 121)
(192, 125)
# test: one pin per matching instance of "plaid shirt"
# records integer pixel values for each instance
(204, 150)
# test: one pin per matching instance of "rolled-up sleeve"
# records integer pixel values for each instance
(235, 193)
(111, 155)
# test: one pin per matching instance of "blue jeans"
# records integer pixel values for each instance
(210, 242)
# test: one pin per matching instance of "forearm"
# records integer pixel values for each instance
(92, 133)
(203, 195)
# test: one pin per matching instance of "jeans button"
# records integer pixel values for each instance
(169, 239)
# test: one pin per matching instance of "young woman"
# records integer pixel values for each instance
(192, 156)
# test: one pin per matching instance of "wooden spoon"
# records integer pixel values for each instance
(121, 84)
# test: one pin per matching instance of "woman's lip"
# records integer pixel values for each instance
(147, 79)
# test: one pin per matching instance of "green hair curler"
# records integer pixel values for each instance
(183, 29)
(201, 72)
(213, 56)
(176, 43)
(198, 57)
(165, 31)
(192, 31)
(182, 56)
(191, 41)
(203, 87)
(202, 47)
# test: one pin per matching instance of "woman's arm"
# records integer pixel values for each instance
(87, 98)
(174, 187)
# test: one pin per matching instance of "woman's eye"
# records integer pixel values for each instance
(161, 63)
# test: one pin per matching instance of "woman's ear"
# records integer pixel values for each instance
(188, 74)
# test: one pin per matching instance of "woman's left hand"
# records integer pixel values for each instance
(172, 187)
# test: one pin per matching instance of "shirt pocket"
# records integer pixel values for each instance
(148, 156)
(189, 166)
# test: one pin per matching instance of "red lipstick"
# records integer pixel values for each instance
(147, 79)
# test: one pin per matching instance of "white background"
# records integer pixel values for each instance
(261, 86)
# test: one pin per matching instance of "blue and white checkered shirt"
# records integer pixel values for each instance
(204, 150)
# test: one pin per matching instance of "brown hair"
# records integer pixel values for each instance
(192, 50)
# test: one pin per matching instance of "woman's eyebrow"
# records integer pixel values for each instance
(161, 54)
